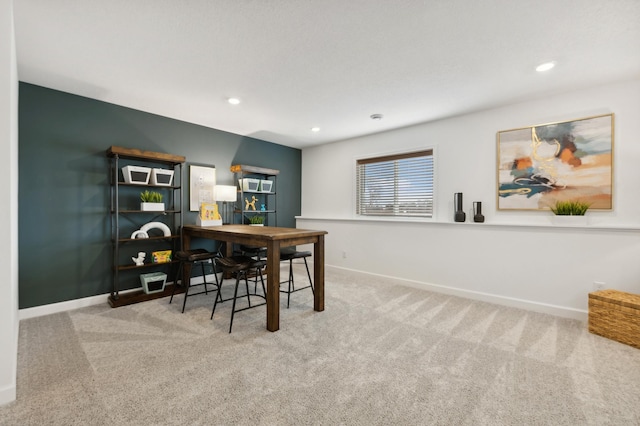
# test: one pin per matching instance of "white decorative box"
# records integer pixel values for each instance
(249, 184)
(136, 174)
(162, 177)
(211, 222)
(153, 282)
(266, 185)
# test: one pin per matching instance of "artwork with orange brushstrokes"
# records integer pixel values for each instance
(564, 161)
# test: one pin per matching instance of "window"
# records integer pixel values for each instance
(396, 185)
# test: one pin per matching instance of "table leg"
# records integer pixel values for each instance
(186, 267)
(273, 285)
(318, 274)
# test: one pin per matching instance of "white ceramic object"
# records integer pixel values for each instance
(139, 261)
(156, 225)
(139, 234)
(152, 207)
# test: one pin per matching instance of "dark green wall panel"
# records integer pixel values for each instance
(64, 235)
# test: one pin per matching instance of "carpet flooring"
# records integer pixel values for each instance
(380, 354)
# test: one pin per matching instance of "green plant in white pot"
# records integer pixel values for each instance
(151, 201)
(570, 213)
(256, 220)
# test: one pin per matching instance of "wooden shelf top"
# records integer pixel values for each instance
(237, 168)
(146, 155)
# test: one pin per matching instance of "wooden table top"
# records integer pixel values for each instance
(259, 232)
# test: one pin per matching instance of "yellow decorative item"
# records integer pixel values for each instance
(209, 211)
(209, 215)
(163, 256)
(251, 204)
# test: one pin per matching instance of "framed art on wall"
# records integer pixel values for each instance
(202, 180)
(564, 161)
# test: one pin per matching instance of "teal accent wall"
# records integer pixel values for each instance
(65, 246)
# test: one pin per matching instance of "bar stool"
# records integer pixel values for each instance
(253, 251)
(257, 253)
(187, 259)
(288, 254)
(240, 266)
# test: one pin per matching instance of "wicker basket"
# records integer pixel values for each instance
(615, 315)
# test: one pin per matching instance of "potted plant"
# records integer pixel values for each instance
(256, 220)
(570, 213)
(151, 201)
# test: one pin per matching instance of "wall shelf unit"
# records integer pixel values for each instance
(259, 177)
(127, 217)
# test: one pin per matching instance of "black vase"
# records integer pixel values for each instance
(477, 212)
(460, 215)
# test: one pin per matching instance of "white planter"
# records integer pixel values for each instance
(153, 282)
(136, 174)
(266, 185)
(161, 177)
(249, 184)
(152, 207)
(570, 220)
(256, 224)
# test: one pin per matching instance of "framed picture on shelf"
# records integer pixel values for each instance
(563, 161)
(202, 180)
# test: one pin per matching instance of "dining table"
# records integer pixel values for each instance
(273, 238)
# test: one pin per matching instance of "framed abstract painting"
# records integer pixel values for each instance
(564, 161)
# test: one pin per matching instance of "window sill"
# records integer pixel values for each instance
(386, 220)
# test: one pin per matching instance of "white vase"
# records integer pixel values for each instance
(570, 220)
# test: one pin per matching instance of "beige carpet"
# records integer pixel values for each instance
(380, 354)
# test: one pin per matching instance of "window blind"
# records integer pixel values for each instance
(396, 185)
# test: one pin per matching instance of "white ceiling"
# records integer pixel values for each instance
(296, 64)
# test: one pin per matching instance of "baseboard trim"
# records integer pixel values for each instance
(69, 305)
(544, 308)
(7, 395)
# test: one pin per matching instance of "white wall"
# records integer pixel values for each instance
(9, 212)
(515, 258)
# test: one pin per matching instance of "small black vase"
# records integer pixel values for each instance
(460, 215)
(477, 212)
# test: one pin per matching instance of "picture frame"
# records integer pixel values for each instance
(202, 180)
(540, 165)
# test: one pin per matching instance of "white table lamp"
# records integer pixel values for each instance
(225, 193)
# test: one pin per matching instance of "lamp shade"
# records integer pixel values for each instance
(224, 193)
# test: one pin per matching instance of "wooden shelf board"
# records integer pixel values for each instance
(237, 168)
(140, 296)
(146, 265)
(140, 240)
(148, 185)
(147, 155)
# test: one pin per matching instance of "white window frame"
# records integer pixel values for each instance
(385, 157)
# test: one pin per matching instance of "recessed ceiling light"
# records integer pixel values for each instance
(233, 101)
(376, 116)
(315, 129)
(545, 67)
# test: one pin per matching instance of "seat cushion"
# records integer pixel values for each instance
(194, 255)
(288, 255)
(234, 263)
